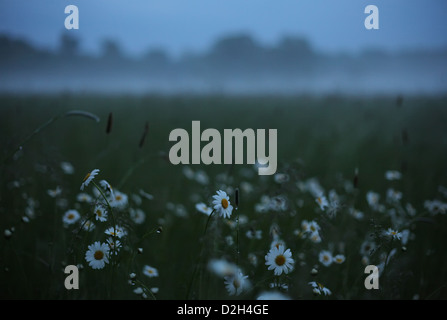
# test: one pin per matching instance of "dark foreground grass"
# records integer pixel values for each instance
(326, 138)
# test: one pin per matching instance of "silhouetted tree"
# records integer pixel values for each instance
(111, 49)
(69, 45)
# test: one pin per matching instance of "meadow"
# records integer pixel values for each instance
(360, 181)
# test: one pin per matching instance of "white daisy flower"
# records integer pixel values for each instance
(313, 226)
(138, 290)
(392, 175)
(367, 247)
(278, 203)
(272, 295)
(315, 237)
(277, 242)
(88, 225)
(339, 258)
(281, 177)
(67, 167)
(116, 231)
(435, 206)
(305, 226)
(236, 284)
(7, 233)
(150, 271)
(71, 216)
(279, 285)
(322, 202)
(356, 213)
(107, 187)
(279, 260)
(410, 209)
(100, 213)
(222, 268)
(84, 197)
(203, 208)
(201, 177)
(119, 200)
(393, 196)
(154, 290)
(188, 172)
(137, 215)
(114, 245)
(253, 259)
(222, 204)
(254, 234)
(319, 289)
(373, 199)
(136, 199)
(97, 255)
(393, 234)
(325, 257)
(54, 192)
(88, 178)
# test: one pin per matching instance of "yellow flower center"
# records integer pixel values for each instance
(280, 260)
(118, 197)
(98, 213)
(224, 203)
(236, 283)
(70, 216)
(98, 255)
(86, 177)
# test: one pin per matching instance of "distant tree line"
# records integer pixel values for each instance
(237, 56)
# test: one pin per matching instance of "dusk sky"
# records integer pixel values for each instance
(193, 25)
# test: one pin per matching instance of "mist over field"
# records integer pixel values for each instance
(233, 64)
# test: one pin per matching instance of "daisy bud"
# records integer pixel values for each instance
(356, 178)
(236, 198)
(140, 250)
(143, 137)
(132, 276)
(399, 101)
(314, 272)
(109, 123)
(160, 229)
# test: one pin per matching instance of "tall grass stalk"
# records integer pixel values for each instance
(39, 129)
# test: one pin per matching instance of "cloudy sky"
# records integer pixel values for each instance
(193, 25)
